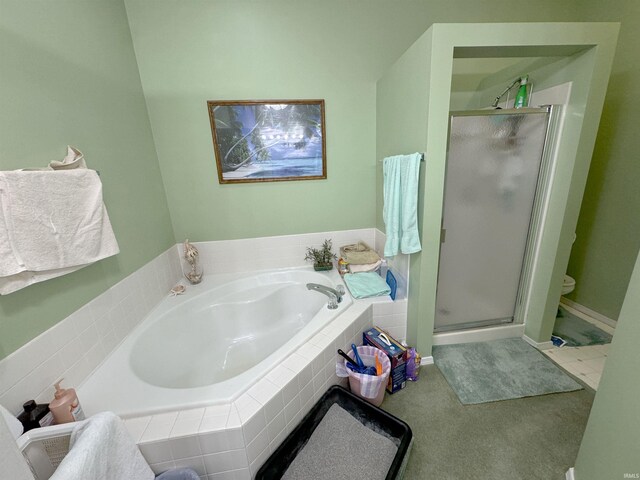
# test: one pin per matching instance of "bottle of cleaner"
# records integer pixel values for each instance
(65, 407)
(35, 415)
(521, 96)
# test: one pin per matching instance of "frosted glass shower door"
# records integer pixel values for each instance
(492, 172)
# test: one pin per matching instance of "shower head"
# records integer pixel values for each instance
(513, 84)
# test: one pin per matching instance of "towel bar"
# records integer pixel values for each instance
(421, 158)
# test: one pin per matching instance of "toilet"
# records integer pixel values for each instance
(568, 285)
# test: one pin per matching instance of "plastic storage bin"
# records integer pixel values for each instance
(279, 461)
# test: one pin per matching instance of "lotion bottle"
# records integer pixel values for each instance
(65, 407)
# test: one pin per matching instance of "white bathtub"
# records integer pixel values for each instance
(211, 344)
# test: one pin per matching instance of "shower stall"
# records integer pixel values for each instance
(496, 174)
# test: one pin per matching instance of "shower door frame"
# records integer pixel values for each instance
(536, 221)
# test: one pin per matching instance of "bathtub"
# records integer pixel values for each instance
(211, 344)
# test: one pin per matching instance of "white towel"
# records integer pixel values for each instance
(101, 449)
(364, 268)
(51, 223)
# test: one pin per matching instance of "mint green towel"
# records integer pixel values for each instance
(366, 284)
(400, 211)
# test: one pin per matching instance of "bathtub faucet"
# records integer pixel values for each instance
(335, 295)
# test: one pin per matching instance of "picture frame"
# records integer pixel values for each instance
(268, 140)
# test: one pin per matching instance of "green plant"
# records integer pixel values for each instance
(321, 256)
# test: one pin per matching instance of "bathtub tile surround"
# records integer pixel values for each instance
(75, 346)
(266, 253)
(234, 440)
(399, 264)
(392, 317)
(221, 441)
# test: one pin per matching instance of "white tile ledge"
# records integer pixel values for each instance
(243, 433)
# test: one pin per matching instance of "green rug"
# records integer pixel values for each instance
(578, 332)
(499, 370)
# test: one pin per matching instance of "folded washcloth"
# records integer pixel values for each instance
(74, 159)
(51, 223)
(366, 284)
(364, 268)
(101, 448)
(359, 254)
(400, 210)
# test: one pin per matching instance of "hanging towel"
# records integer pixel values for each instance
(400, 211)
(101, 448)
(366, 284)
(51, 223)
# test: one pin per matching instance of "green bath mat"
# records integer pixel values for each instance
(499, 370)
(578, 332)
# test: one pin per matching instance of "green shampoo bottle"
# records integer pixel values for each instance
(521, 96)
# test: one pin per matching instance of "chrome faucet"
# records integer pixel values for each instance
(335, 295)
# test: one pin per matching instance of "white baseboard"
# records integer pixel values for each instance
(479, 334)
(426, 360)
(587, 311)
(605, 323)
(570, 475)
(538, 345)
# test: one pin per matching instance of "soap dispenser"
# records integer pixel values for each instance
(65, 407)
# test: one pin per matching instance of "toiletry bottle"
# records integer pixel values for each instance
(384, 266)
(521, 96)
(65, 406)
(35, 415)
(343, 266)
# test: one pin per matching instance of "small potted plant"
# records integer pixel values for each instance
(322, 257)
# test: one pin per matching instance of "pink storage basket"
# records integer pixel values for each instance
(370, 388)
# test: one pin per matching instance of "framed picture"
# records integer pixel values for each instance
(268, 140)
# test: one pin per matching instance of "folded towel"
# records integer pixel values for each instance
(400, 211)
(366, 284)
(359, 254)
(101, 448)
(364, 268)
(51, 223)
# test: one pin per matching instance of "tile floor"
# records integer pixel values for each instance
(587, 362)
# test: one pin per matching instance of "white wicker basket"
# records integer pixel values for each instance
(44, 448)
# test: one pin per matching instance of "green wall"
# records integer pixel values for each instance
(608, 232)
(609, 448)
(401, 124)
(68, 75)
(192, 51)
